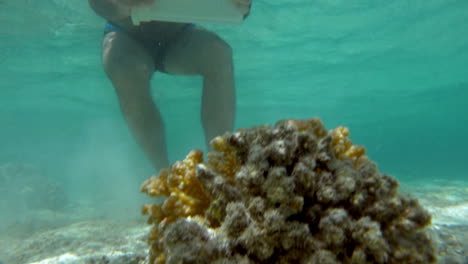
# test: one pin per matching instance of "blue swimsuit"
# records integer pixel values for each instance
(156, 37)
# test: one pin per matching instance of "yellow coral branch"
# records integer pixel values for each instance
(185, 194)
(224, 159)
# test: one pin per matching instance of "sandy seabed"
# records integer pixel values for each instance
(59, 238)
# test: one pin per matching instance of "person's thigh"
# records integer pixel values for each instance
(196, 52)
(125, 59)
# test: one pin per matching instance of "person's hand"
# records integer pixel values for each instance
(244, 6)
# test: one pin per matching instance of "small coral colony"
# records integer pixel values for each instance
(290, 193)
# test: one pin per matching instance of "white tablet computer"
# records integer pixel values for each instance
(189, 11)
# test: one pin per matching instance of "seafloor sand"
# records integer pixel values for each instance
(448, 203)
(88, 241)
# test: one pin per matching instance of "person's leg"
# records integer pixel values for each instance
(201, 52)
(130, 67)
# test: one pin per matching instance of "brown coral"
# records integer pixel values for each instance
(292, 193)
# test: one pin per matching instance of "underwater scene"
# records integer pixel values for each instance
(311, 131)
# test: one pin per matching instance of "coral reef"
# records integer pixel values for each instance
(292, 193)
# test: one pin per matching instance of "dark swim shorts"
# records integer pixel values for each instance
(154, 36)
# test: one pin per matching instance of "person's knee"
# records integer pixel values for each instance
(221, 51)
(220, 54)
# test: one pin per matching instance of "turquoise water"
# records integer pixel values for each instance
(394, 72)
